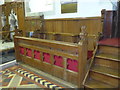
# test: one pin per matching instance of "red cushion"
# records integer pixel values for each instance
(46, 57)
(110, 41)
(90, 54)
(36, 54)
(58, 61)
(22, 50)
(28, 52)
(72, 65)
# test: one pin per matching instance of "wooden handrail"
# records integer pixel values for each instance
(51, 43)
(90, 64)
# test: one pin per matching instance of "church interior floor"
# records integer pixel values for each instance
(24, 76)
(7, 57)
(7, 52)
(6, 45)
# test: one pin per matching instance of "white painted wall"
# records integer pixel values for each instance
(86, 8)
(1, 2)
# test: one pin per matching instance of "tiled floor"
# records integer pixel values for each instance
(7, 57)
(49, 77)
(10, 79)
(19, 76)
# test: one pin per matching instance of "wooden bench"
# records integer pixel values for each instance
(64, 60)
(66, 37)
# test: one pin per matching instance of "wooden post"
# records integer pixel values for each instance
(17, 50)
(51, 62)
(21, 17)
(82, 56)
(65, 68)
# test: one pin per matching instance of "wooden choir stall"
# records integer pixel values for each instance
(64, 60)
(59, 51)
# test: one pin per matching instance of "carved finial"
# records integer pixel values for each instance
(83, 33)
(99, 36)
(42, 23)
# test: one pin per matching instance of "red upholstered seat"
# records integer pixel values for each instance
(58, 61)
(89, 54)
(72, 65)
(28, 52)
(37, 54)
(46, 57)
(22, 50)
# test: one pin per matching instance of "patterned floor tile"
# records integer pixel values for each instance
(19, 77)
(12, 80)
(25, 82)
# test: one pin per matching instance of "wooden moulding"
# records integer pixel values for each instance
(81, 18)
(61, 19)
(51, 43)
